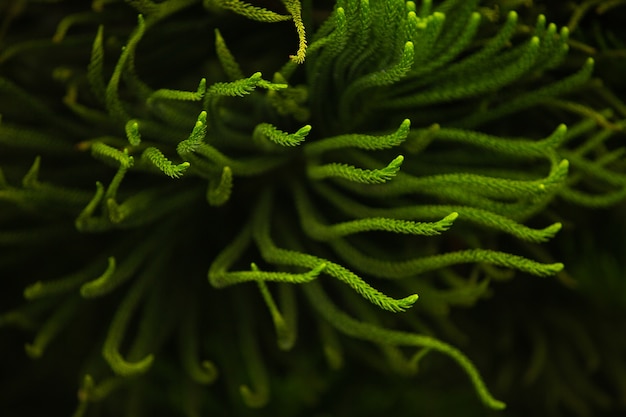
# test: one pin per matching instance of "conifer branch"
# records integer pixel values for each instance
(159, 160)
(367, 142)
(113, 103)
(357, 175)
(247, 10)
(317, 230)
(295, 10)
(271, 253)
(267, 130)
(423, 212)
(285, 331)
(376, 334)
(414, 267)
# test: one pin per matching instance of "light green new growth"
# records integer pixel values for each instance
(195, 138)
(466, 213)
(367, 142)
(102, 150)
(159, 160)
(357, 175)
(271, 253)
(267, 131)
(132, 132)
(319, 231)
(418, 266)
(295, 10)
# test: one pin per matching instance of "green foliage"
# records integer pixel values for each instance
(388, 191)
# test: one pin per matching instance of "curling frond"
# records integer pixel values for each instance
(266, 130)
(357, 175)
(368, 142)
(159, 160)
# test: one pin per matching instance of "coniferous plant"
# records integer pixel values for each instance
(216, 206)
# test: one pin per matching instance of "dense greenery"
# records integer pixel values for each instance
(359, 207)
